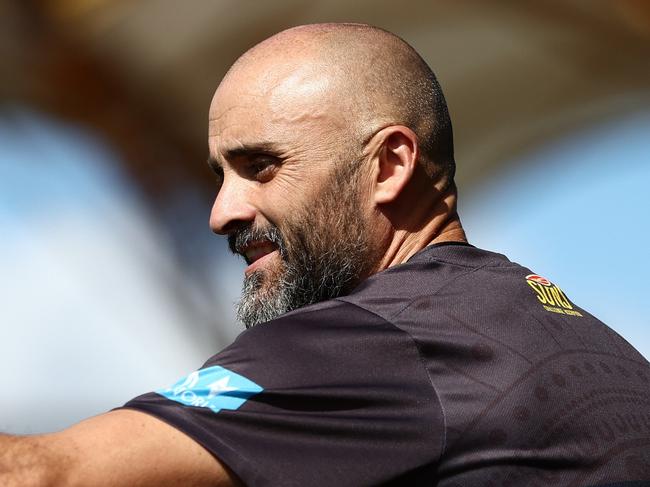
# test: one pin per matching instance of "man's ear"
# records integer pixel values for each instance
(395, 151)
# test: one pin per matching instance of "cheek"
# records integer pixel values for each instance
(278, 202)
(286, 195)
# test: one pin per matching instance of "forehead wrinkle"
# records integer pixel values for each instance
(216, 118)
(239, 96)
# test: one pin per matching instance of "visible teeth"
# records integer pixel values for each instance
(259, 251)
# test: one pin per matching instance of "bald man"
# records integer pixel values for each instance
(381, 348)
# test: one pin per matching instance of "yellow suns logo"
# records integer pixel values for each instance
(551, 296)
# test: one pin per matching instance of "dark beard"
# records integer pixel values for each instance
(324, 254)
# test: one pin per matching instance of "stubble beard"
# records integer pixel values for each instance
(324, 253)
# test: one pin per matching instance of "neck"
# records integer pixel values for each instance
(443, 226)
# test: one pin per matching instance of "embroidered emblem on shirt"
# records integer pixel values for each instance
(551, 296)
(215, 388)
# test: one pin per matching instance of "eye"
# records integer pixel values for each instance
(262, 168)
(218, 175)
(216, 168)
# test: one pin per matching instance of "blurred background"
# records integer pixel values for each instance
(111, 282)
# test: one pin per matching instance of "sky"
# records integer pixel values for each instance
(89, 299)
(89, 292)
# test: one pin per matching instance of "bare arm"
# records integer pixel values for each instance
(120, 448)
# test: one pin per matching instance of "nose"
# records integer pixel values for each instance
(231, 209)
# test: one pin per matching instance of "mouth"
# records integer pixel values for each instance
(256, 251)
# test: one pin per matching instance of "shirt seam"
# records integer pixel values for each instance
(422, 363)
(444, 286)
(469, 266)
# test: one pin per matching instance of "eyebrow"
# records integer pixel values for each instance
(243, 150)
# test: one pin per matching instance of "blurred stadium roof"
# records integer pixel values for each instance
(515, 73)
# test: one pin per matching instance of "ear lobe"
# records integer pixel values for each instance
(395, 162)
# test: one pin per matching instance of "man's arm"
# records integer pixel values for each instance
(120, 448)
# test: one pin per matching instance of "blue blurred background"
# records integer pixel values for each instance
(112, 284)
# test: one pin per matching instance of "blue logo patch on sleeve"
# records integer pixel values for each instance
(215, 388)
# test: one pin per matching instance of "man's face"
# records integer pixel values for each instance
(291, 198)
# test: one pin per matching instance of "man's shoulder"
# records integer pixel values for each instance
(303, 329)
(477, 295)
(430, 274)
(447, 275)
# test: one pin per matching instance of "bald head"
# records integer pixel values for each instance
(333, 151)
(367, 77)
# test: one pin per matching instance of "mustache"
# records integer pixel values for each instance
(243, 237)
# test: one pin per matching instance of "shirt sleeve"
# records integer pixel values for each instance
(329, 395)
